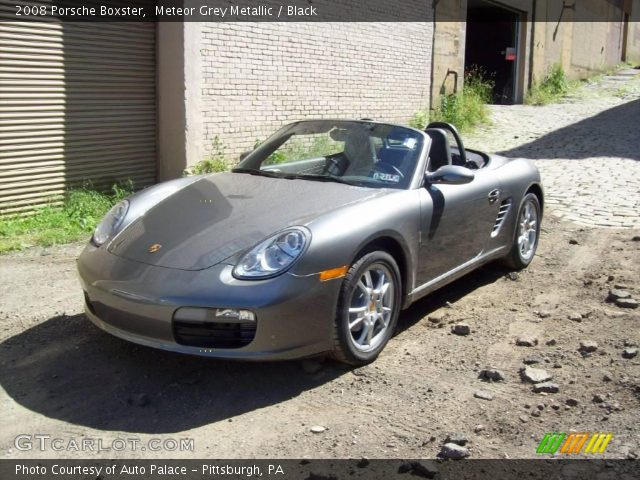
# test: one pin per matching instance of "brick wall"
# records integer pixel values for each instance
(257, 77)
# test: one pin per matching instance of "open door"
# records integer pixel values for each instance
(492, 46)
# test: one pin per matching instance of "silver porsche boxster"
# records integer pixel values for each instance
(312, 245)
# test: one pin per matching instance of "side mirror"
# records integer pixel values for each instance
(244, 155)
(450, 175)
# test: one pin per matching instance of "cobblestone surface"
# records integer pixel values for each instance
(587, 149)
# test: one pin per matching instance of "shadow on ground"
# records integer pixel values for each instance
(450, 294)
(612, 133)
(67, 369)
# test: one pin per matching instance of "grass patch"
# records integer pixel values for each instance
(554, 86)
(420, 119)
(466, 109)
(214, 163)
(75, 219)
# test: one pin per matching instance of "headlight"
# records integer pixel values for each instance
(110, 223)
(274, 255)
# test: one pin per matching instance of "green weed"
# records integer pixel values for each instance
(76, 218)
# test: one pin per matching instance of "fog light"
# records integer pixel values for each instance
(220, 315)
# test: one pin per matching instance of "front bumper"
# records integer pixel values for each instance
(137, 302)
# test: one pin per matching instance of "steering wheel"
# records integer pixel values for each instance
(384, 167)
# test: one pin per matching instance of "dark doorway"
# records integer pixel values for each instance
(492, 47)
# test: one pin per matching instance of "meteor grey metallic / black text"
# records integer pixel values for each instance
(311, 245)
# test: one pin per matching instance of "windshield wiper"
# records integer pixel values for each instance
(325, 178)
(296, 176)
(253, 171)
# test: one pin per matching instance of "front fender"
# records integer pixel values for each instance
(338, 236)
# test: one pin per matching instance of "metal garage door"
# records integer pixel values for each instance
(77, 103)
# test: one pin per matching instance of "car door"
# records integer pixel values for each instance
(456, 223)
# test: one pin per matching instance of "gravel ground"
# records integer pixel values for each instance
(63, 377)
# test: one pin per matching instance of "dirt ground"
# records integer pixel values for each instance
(63, 377)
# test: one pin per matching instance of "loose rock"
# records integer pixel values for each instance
(572, 402)
(461, 329)
(318, 429)
(626, 303)
(492, 375)
(526, 341)
(532, 360)
(546, 387)
(457, 438)
(598, 398)
(453, 451)
(615, 294)
(483, 395)
(575, 317)
(629, 353)
(418, 469)
(588, 346)
(534, 375)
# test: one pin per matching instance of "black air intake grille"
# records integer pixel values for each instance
(214, 335)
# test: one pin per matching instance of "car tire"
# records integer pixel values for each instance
(526, 234)
(368, 308)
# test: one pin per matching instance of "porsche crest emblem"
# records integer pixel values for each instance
(154, 248)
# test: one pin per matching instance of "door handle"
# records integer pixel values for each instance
(493, 196)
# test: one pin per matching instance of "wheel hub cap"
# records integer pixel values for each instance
(528, 231)
(371, 307)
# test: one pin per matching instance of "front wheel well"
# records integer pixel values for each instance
(537, 191)
(393, 248)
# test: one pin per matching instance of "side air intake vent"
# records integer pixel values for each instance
(505, 206)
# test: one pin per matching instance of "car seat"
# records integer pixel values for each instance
(440, 151)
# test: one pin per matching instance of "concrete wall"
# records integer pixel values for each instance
(585, 47)
(170, 86)
(633, 35)
(257, 77)
(448, 48)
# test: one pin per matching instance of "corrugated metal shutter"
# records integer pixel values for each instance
(77, 103)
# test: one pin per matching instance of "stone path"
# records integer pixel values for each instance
(587, 149)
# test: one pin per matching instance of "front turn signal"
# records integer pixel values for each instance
(333, 273)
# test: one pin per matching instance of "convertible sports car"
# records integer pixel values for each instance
(312, 245)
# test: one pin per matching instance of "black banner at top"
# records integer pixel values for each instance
(220, 10)
(306, 10)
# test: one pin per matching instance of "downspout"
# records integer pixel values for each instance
(532, 44)
(433, 46)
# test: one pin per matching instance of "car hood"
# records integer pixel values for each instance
(220, 215)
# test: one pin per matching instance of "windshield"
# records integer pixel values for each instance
(357, 153)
